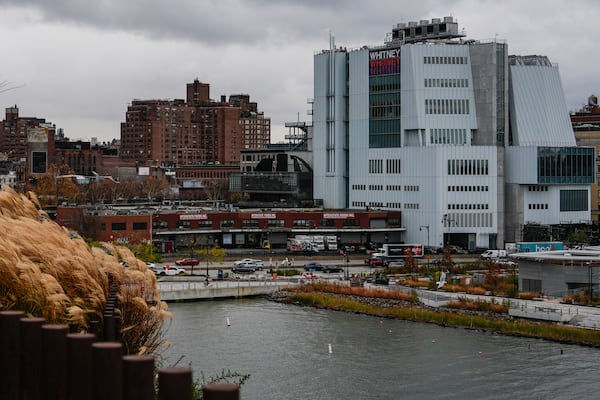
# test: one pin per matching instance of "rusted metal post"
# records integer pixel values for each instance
(138, 378)
(107, 371)
(110, 327)
(79, 366)
(54, 361)
(10, 354)
(95, 328)
(221, 391)
(175, 383)
(31, 358)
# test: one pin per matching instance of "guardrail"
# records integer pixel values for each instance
(542, 311)
(45, 361)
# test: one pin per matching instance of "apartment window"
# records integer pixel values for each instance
(301, 223)
(183, 224)
(227, 223)
(205, 224)
(118, 226)
(249, 223)
(140, 226)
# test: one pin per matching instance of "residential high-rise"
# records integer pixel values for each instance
(194, 131)
(14, 132)
(471, 144)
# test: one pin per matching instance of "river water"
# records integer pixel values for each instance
(301, 353)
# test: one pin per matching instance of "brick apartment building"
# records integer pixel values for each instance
(195, 131)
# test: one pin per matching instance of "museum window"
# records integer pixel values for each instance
(574, 200)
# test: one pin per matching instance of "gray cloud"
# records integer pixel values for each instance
(85, 60)
(227, 21)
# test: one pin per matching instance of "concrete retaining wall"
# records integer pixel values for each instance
(193, 290)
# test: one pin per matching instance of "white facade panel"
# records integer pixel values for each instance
(538, 107)
(330, 126)
(542, 205)
(521, 165)
(358, 105)
(425, 192)
(436, 81)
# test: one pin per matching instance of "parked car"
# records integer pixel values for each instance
(259, 263)
(187, 261)
(433, 250)
(380, 279)
(378, 261)
(168, 270)
(493, 254)
(330, 269)
(396, 263)
(313, 266)
(245, 267)
(457, 249)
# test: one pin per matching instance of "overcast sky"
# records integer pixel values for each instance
(79, 63)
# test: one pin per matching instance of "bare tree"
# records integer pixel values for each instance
(216, 188)
(5, 86)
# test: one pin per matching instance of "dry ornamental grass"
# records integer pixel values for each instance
(50, 272)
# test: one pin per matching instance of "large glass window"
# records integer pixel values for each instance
(574, 200)
(565, 165)
(384, 109)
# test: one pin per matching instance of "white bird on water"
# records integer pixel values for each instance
(228, 323)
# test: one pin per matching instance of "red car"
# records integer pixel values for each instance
(187, 261)
(378, 262)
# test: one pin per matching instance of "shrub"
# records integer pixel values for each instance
(528, 295)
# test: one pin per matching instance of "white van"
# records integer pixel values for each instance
(493, 254)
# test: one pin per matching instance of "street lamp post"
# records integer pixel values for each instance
(151, 242)
(347, 268)
(447, 221)
(207, 261)
(426, 255)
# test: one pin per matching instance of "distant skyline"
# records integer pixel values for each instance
(79, 64)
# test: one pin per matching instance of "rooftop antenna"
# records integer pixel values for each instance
(331, 41)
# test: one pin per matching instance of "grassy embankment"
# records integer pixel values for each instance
(353, 300)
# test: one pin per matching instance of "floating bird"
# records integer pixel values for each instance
(228, 323)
